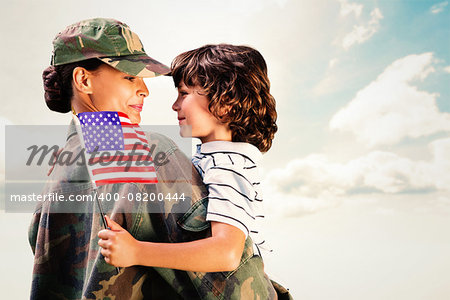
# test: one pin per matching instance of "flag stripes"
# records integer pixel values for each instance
(119, 150)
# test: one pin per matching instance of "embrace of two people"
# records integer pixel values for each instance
(214, 249)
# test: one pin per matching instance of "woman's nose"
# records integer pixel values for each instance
(142, 90)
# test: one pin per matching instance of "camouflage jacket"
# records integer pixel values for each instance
(67, 260)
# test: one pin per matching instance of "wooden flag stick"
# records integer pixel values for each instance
(102, 215)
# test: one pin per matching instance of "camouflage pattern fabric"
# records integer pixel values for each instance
(68, 263)
(109, 40)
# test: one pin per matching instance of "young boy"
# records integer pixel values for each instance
(224, 100)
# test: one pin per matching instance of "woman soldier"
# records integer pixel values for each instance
(98, 65)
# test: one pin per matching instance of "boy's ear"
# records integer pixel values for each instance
(223, 111)
(82, 80)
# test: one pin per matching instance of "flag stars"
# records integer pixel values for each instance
(105, 131)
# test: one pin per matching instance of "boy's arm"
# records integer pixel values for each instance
(219, 253)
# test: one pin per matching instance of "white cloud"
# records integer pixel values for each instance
(295, 205)
(362, 33)
(332, 63)
(348, 8)
(250, 7)
(447, 69)
(440, 169)
(391, 108)
(385, 211)
(3, 122)
(378, 172)
(329, 83)
(437, 8)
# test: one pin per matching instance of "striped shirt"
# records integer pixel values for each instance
(230, 173)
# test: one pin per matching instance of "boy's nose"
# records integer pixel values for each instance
(175, 106)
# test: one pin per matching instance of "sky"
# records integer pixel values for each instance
(357, 181)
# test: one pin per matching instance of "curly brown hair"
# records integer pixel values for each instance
(234, 78)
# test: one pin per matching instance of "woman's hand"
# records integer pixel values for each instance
(118, 246)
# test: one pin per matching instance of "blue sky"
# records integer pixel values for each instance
(407, 27)
(363, 98)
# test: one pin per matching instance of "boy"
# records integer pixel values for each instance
(224, 100)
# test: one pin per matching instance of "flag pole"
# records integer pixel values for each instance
(102, 214)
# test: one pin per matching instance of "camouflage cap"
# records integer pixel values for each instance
(109, 40)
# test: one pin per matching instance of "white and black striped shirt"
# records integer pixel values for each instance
(230, 173)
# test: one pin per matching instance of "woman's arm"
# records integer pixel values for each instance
(220, 252)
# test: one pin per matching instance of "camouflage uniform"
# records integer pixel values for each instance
(68, 263)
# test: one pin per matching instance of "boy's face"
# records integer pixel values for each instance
(194, 117)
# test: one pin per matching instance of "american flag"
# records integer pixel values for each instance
(109, 138)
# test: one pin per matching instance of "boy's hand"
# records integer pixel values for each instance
(118, 246)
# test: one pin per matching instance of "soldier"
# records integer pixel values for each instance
(98, 65)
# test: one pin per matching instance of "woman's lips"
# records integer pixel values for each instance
(180, 120)
(137, 107)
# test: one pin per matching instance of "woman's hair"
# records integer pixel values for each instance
(234, 78)
(58, 83)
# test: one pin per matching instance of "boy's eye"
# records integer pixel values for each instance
(130, 78)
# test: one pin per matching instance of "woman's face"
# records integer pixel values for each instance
(113, 90)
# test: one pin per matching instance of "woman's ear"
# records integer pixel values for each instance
(82, 80)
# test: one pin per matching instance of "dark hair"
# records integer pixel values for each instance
(235, 80)
(58, 83)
